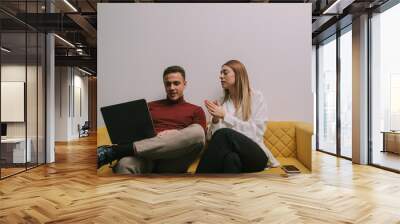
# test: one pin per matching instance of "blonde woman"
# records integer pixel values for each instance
(237, 127)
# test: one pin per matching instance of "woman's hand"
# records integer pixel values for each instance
(216, 110)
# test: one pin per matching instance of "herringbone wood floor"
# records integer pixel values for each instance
(69, 191)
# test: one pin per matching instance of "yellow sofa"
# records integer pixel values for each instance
(289, 142)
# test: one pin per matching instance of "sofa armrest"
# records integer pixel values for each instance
(102, 137)
(304, 132)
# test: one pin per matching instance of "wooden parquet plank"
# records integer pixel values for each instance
(69, 191)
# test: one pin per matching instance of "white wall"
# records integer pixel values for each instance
(79, 117)
(68, 82)
(61, 103)
(136, 42)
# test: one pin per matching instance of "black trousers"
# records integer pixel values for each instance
(232, 152)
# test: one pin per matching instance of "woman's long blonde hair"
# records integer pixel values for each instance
(242, 88)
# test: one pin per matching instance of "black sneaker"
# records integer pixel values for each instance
(105, 154)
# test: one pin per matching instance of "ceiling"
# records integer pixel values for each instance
(76, 22)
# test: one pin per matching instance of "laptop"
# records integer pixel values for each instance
(128, 122)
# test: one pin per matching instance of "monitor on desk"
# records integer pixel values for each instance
(3, 130)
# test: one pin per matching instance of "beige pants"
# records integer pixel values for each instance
(169, 153)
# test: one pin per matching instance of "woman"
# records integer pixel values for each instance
(237, 127)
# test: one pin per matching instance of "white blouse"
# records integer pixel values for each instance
(254, 128)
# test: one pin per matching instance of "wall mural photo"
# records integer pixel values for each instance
(205, 94)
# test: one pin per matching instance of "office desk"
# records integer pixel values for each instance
(13, 150)
(391, 141)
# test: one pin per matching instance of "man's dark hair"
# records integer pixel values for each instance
(174, 69)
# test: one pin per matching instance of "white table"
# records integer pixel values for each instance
(18, 145)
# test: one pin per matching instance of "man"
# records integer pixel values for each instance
(180, 128)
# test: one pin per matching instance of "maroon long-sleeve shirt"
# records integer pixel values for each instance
(167, 114)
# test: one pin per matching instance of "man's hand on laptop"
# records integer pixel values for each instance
(167, 132)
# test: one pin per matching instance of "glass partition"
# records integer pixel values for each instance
(22, 77)
(13, 110)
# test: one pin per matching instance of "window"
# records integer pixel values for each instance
(385, 86)
(346, 93)
(335, 138)
(327, 96)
